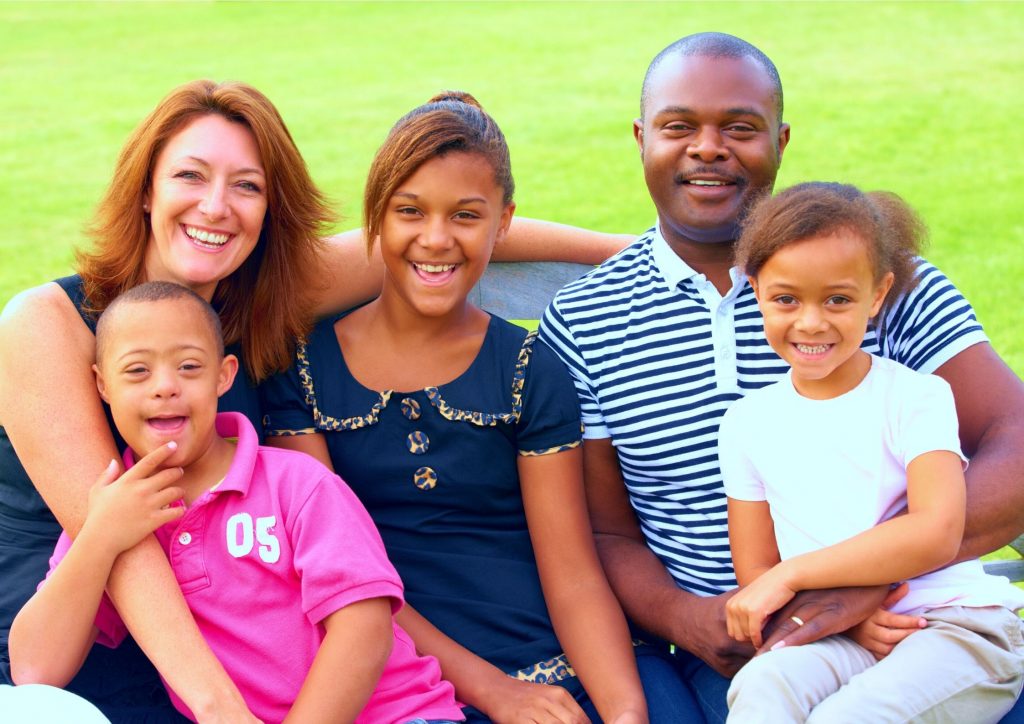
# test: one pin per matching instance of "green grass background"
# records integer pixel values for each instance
(920, 98)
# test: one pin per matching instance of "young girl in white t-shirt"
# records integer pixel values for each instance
(849, 473)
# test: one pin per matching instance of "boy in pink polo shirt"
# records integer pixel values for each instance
(278, 561)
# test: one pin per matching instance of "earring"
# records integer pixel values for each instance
(145, 207)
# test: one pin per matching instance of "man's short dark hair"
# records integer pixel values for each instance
(715, 45)
(157, 292)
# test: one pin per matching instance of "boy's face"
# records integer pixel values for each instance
(161, 374)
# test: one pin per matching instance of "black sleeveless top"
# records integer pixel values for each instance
(121, 682)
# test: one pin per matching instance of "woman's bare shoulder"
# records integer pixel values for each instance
(43, 313)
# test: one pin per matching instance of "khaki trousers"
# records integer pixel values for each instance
(966, 666)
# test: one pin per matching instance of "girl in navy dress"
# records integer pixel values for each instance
(461, 434)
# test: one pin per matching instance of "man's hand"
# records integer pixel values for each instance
(813, 615)
(701, 630)
(883, 629)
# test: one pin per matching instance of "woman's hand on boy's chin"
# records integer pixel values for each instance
(125, 508)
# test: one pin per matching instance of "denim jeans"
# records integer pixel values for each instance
(1016, 714)
(680, 688)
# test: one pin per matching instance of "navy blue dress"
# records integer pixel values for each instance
(437, 470)
(120, 682)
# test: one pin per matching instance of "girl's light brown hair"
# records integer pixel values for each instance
(449, 122)
(266, 302)
(892, 231)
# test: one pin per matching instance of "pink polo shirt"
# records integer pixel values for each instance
(278, 546)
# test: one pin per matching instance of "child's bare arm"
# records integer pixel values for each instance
(924, 539)
(751, 538)
(52, 634)
(927, 537)
(504, 699)
(539, 240)
(754, 552)
(579, 598)
(348, 664)
(55, 629)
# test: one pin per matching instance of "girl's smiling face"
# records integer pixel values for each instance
(207, 200)
(817, 297)
(439, 229)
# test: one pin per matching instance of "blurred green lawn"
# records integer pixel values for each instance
(920, 98)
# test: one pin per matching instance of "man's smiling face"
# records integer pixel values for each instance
(710, 141)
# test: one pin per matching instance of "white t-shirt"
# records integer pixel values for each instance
(830, 469)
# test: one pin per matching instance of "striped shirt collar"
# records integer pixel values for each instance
(675, 270)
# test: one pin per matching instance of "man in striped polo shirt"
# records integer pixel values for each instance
(665, 335)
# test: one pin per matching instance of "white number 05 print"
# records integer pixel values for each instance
(240, 537)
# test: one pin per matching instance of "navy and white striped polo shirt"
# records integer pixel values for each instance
(657, 355)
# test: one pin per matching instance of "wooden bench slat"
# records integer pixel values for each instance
(1014, 570)
(522, 290)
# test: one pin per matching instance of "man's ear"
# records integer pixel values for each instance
(783, 139)
(226, 376)
(100, 384)
(638, 134)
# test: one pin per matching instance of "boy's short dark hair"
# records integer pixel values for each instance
(157, 292)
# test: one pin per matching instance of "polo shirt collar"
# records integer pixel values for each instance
(237, 425)
(675, 270)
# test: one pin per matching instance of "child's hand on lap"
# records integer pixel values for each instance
(880, 632)
(125, 509)
(747, 612)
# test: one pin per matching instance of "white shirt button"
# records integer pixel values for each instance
(185, 538)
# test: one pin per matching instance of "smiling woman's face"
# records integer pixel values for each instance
(207, 201)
